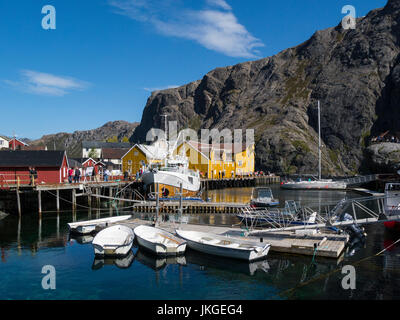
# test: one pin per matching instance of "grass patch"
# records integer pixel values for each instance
(301, 146)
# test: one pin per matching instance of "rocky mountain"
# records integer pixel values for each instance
(355, 73)
(71, 142)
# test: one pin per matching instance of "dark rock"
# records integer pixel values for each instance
(354, 73)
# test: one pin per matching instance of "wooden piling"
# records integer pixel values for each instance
(19, 203)
(58, 200)
(40, 201)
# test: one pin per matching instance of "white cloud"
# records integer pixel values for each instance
(215, 27)
(46, 83)
(219, 3)
(161, 88)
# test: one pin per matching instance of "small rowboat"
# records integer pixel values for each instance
(87, 227)
(113, 241)
(224, 246)
(159, 241)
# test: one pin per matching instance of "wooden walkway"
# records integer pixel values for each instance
(320, 244)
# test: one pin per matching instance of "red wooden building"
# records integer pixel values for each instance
(15, 144)
(51, 166)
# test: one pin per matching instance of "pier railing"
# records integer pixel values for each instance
(15, 180)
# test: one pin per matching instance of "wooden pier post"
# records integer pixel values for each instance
(40, 201)
(58, 200)
(73, 200)
(19, 203)
(98, 198)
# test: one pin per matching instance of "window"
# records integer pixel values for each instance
(240, 163)
(1, 142)
(129, 162)
(136, 153)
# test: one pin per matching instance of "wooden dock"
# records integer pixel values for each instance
(321, 244)
(190, 207)
(239, 182)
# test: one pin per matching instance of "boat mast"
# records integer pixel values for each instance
(166, 136)
(319, 141)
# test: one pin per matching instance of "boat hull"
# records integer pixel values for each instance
(262, 204)
(87, 227)
(113, 241)
(169, 183)
(314, 186)
(172, 246)
(233, 253)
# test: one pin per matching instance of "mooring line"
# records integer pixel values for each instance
(333, 272)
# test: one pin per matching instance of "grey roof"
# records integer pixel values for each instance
(21, 158)
(74, 163)
(100, 144)
(5, 138)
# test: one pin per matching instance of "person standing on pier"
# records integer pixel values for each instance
(70, 174)
(106, 175)
(77, 175)
(31, 175)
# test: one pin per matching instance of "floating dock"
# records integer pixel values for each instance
(318, 244)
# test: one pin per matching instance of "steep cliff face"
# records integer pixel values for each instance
(72, 141)
(354, 73)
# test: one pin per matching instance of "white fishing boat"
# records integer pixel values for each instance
(87, 227)
(174, 173)
(224, 246)
(317, 184)
(113, 241)
(159, 241)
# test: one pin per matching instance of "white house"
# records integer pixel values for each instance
(4, 142)
(97, 146)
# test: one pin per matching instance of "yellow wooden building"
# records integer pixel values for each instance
(218, 160)
(141, 155)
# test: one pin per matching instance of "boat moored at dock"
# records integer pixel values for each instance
(113, 241)
(262, 197)
(224, 246)
(87, 227)
(159, 241)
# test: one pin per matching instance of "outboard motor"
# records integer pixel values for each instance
(353, 229)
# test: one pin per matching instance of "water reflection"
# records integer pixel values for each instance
(121, 262)
(231, 265)
(158, 263)
(311, 198)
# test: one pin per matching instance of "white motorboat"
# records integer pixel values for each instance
(113, 241)
(224, 246)
(262, 197)
(87, 227)
(159, 241)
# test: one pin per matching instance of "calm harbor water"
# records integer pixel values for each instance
(28, 244)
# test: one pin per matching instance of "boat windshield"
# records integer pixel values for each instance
(264, 193)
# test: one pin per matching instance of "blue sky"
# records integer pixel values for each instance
(105, 56)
